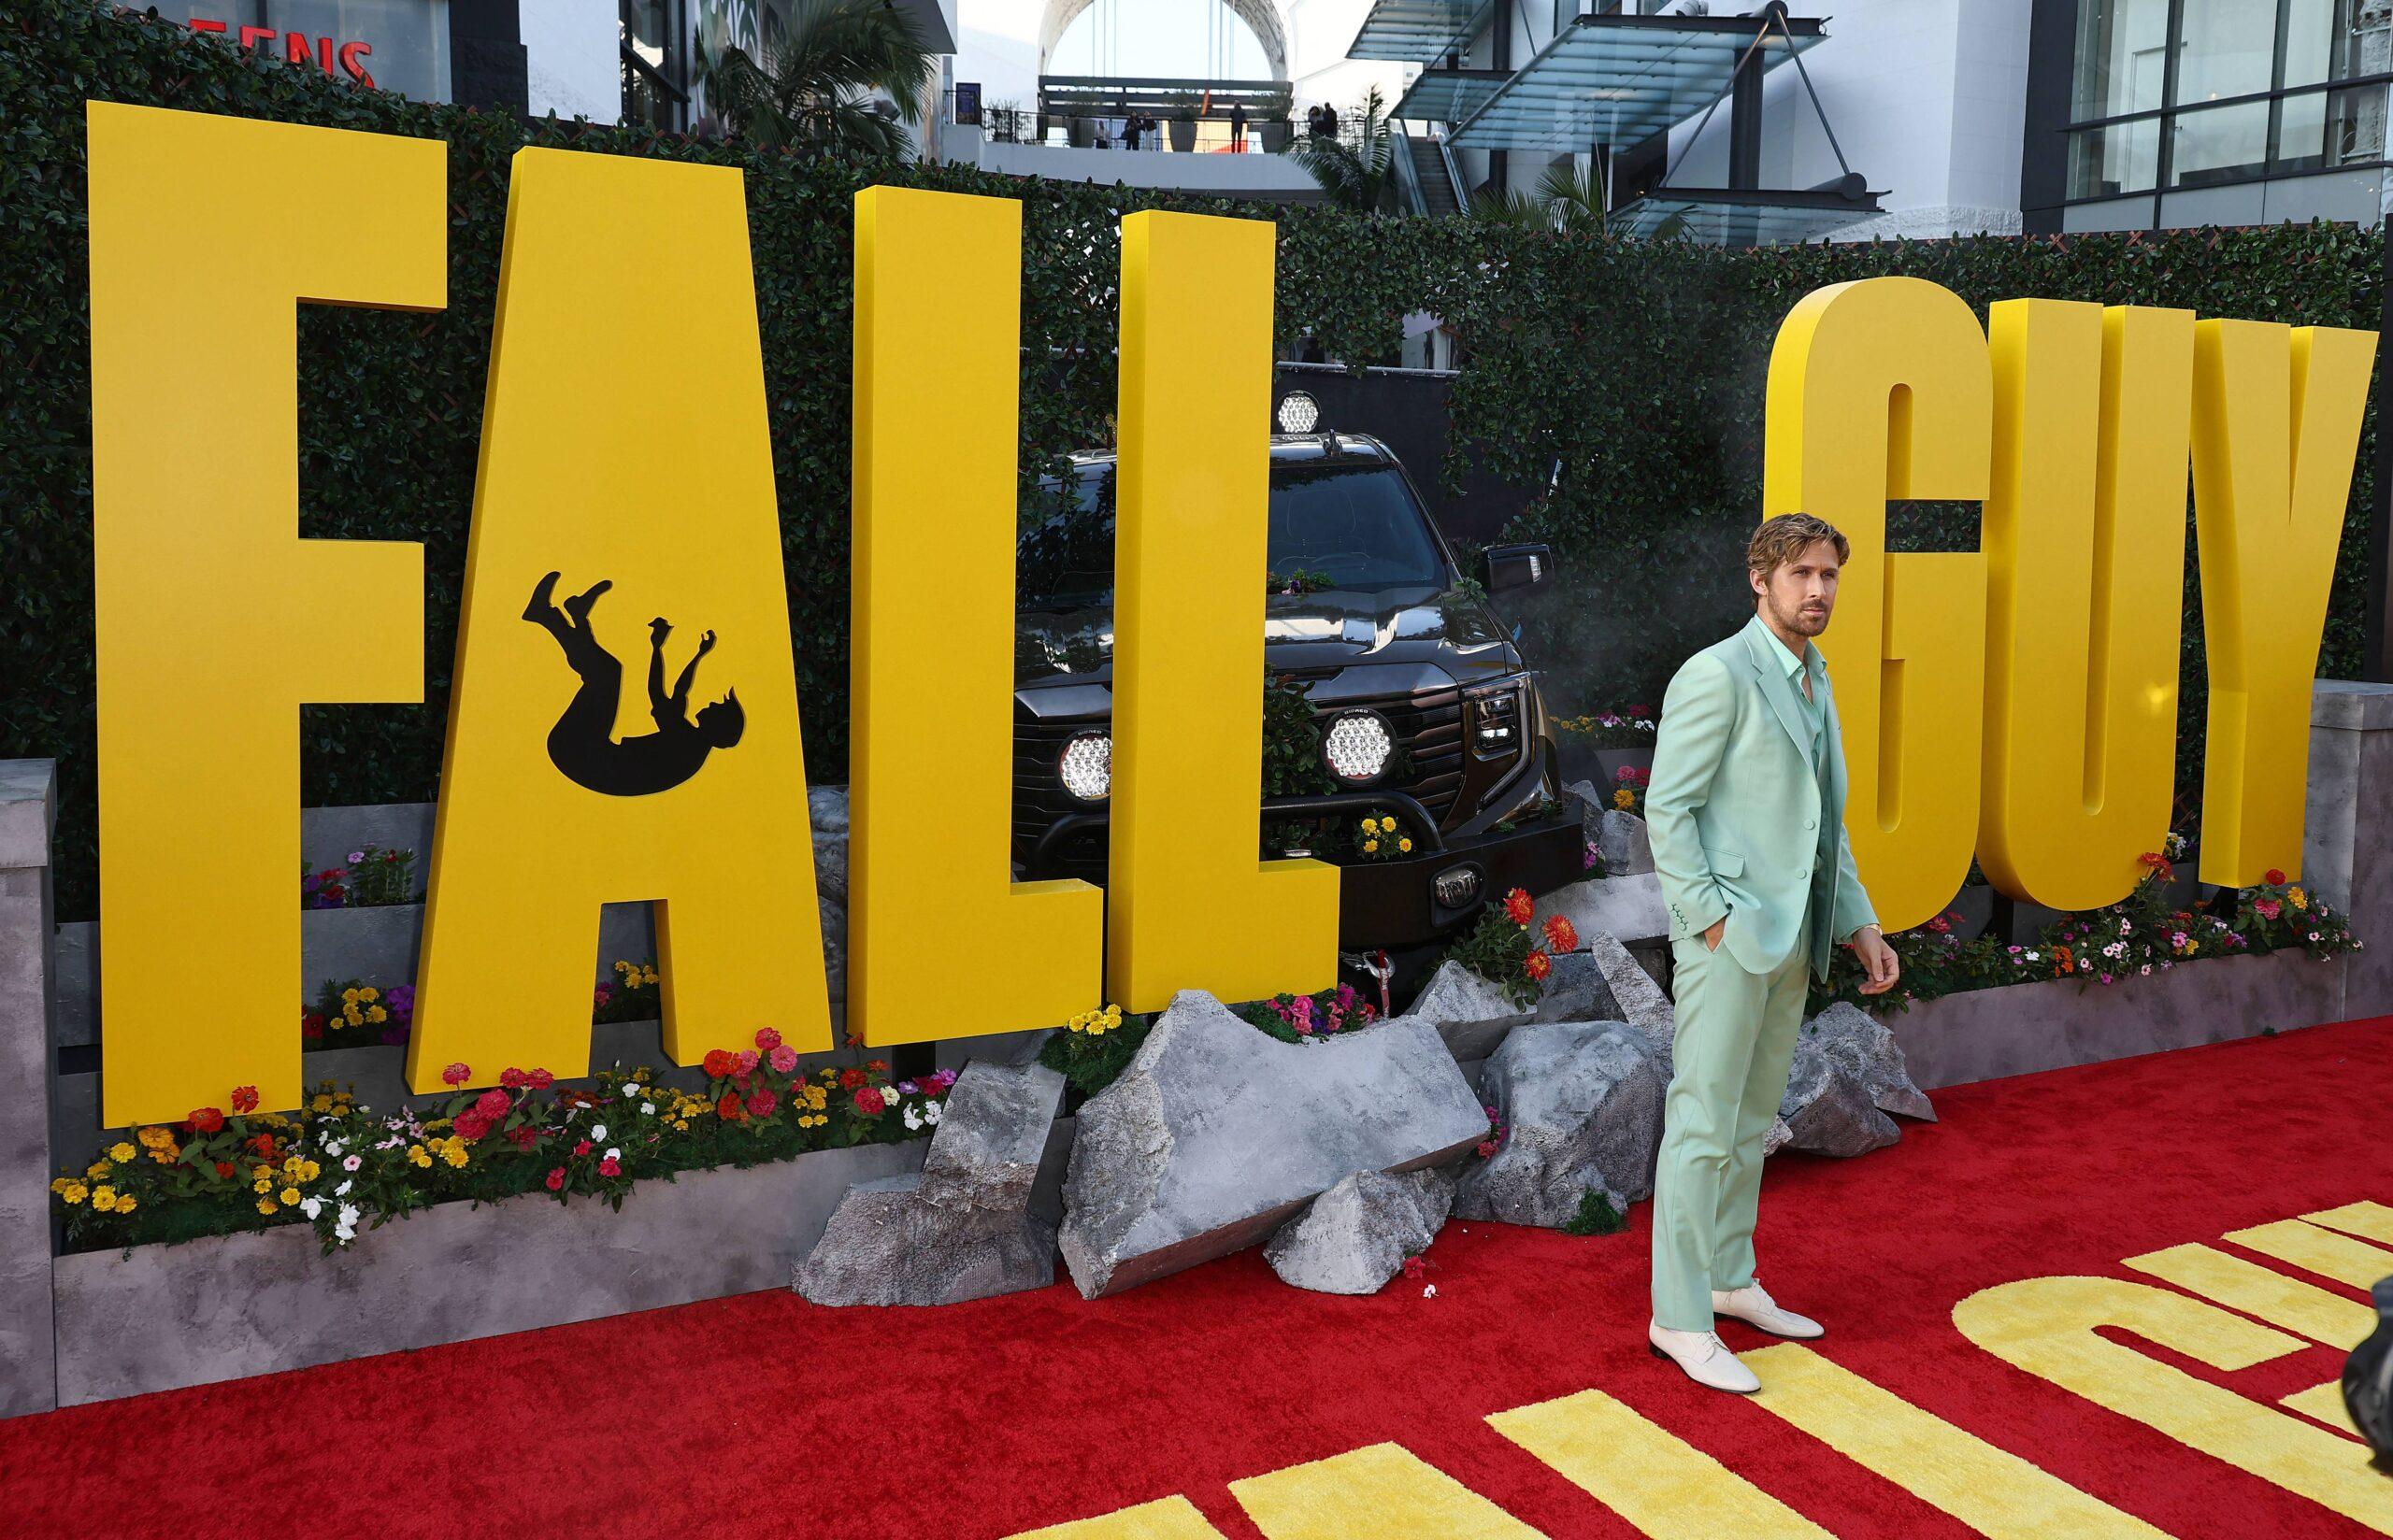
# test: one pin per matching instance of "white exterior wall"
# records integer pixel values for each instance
(571, 52)
(1927, 98)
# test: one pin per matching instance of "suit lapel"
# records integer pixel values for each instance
(1777, 691)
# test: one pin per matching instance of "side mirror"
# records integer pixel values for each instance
(1516, 566)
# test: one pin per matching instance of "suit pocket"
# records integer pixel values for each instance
(1723, 862)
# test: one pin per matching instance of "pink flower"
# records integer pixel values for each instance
(1415, 1267)
(538, 1079)
(1486, 1149)
(869, 1102)
(767, 1039)
(510, 1077)
(456, 1074)
(493, 1105)
(746, 1059)
(556, 1179)
(2268, 907)
(761, 1103)
(471, 1125)
(610, 1167)
(783, 1058)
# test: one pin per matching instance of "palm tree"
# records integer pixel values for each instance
(1567, 198)
(812, 89)
(1360, 176)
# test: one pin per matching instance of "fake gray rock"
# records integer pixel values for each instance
(1621, 840)
(1354, 1237)
(1216, 1134)
(1776, 1138)
(826, 808)
(1470, 1014)
(1862, 1046)
(1576, 992)
(1592, 805)
(1642, 1004)
(1583, 1099)
(887, 1245)
(962, 1227)
(1829, 1110)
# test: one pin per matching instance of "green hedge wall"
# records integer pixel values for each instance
(1637, 366)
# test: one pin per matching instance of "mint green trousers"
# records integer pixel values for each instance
(1734, 1041)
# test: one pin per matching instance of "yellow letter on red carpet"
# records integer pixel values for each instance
(938, 278)
(624, 720)
(1880, 389)
(1193, 904)
(2276, 424)
(215, 620)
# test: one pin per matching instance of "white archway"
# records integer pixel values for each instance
(1262, 18)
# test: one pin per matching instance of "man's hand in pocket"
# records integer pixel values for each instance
(1711, 937)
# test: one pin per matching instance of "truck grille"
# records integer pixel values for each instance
(1427, 728)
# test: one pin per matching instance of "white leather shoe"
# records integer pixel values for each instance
(1704, 1356)
(1753, 1305)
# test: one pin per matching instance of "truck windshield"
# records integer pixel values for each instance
(1348, 526)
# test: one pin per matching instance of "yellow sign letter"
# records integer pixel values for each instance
(1192, 904)
(2085, 541)
(937, 391)
(1880, 389)
(2276, 425)
(215, 620)
(624, 720)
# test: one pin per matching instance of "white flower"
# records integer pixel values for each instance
(931, 1112)
(597, 1132)
(2145, 969)
(311, 1206)
(352, 1162)
(1428, 1290)
(648, 1110)
(614, 1154)
(2313, 936)
(913, 1118)
(342, 1191)
(2030, 956)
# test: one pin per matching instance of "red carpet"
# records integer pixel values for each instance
(766, 1415)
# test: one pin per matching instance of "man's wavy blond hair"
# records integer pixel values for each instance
(1780, 540)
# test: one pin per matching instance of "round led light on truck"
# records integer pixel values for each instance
(1298, 413)
(1086, 766)
(1357, 746)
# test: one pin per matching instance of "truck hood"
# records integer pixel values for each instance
(1449, 631)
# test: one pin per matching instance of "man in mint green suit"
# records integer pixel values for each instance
(1746, 816)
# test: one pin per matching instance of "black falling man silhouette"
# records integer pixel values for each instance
(582, 743)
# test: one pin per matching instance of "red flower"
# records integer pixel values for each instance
(869, 1102)
(2275, 878)
(1939, 924)
(610, 1167)
(1415, 1267)
(455, 1075)
(1518, 907)
(581, 1150)
(767, 1039)
(264, 1144)
(1536, 964)
(717, 1063)
(206, 1120)
(471, 1125)
(521, 1137)
(538, 1079)
(245, 1098)
(556, 1179)
(510, 1077)
(1560, 933)
(728, 1109)
(223, 1170)
(493, 1105)
(312, 1026)
(761, 1103)
(878, 1066)
(850, 1078)
(1486, 1149)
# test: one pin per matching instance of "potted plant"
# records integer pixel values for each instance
(1180, 120)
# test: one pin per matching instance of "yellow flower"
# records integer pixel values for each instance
(289, 1195)
(348, 997)
(322, 1104)
(156, 1136)
(265, 1205)
(125, 1204)
(97, 1169)
(309, 1171)
(292, 1165)
(75, 1192)
(355, 1017)
(1404, 845)
(104, 1199)
(264, 1184)
(681, 1125)
(375, 1013)
(418, 1155)
(1370, 847)
(60, 1184)
(369, 993)
(121, 1152)
(2295, 897)
(1623, 799)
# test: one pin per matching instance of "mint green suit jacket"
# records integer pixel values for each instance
(1735, 811)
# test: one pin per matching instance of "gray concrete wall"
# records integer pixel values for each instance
(1983, 1035)
(232, 1305)
(28, 810)
(2347, 838)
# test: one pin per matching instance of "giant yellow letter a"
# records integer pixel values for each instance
(627, 728)
(1193, 904)
(215, 619)
(1880, 389)
(938, 384)
(2276, 424)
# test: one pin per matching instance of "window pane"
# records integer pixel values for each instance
(2302, 133)
(2229, 49)
(2122, 158)
(2320, 42)
(2223, 144)
(2122, 51)
(2356, 126)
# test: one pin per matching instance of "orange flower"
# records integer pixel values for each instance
(1560, 933)
(1536, 964)
(1518, 907)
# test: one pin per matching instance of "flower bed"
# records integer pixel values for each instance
(1499, 948)
(341, 1167)
(375, 876)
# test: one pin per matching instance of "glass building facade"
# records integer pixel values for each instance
(2210, 111)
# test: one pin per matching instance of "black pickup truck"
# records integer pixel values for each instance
(1423, 706)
